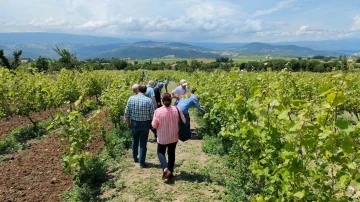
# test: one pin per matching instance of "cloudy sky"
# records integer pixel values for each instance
(187, 20)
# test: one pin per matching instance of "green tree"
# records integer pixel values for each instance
(16, 62)
(67, 60)
(4, 61)
(42, 64)
(118, 64)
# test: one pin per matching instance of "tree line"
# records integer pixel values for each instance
(68, 60)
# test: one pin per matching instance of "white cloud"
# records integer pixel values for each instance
(302, 30)
(249, 26)
(186, 20)
(305, 30)
(279, 6)
(93, 25)
(264, 33)
(208, 11)
(356, 25)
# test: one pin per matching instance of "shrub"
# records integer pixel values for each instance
(117, 142)
(78, 194)
(94, 173)
(8, 145)
(23, 134)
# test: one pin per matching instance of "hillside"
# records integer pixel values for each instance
(35, 44)
(278, 50)
(151, 49)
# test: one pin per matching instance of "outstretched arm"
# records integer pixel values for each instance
(197, 105)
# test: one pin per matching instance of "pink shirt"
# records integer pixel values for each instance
(166, 121)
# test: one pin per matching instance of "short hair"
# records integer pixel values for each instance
(135, 86)
(142, 89)
(151, 83)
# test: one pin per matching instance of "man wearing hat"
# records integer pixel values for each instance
(179, 91)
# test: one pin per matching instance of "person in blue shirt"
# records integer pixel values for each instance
(189, 100)
(150, 92)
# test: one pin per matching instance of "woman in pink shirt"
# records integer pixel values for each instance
(166, 121)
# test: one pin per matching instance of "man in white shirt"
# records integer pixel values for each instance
(180, 90)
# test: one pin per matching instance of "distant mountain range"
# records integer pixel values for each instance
(36, 44)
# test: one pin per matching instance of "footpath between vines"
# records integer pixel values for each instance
(192, 180)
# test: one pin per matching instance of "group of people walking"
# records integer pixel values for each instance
(147, 109)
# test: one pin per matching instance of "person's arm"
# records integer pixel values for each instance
(155, 121)
(175, 93)
(151, 110)
(197, 105)
(152, 95)
(127, 114)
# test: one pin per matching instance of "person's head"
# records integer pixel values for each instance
(166, 99)
(151, 83)
(142, 89)
(135, 88)
(183, 83)
(160, 85)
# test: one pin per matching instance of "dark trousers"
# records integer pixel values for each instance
(166, 88)
(161, 149)
(187, 118)
(140, 134)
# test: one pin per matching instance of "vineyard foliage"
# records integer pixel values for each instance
(297, 132)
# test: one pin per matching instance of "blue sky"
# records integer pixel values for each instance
(187, 20)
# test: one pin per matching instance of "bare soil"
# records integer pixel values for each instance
(36, 174)
(7, 125)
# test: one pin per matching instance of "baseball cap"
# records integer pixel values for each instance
(183, 82)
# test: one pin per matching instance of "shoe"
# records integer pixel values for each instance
(145, 165)
(136, 160)
(167, 175)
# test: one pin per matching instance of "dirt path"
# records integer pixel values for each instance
(190, 181)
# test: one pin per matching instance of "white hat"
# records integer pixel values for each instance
(183, 82)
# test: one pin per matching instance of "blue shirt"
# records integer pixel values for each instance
(149, 92)
(184, 104)
(159, 85)
(139, 108)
